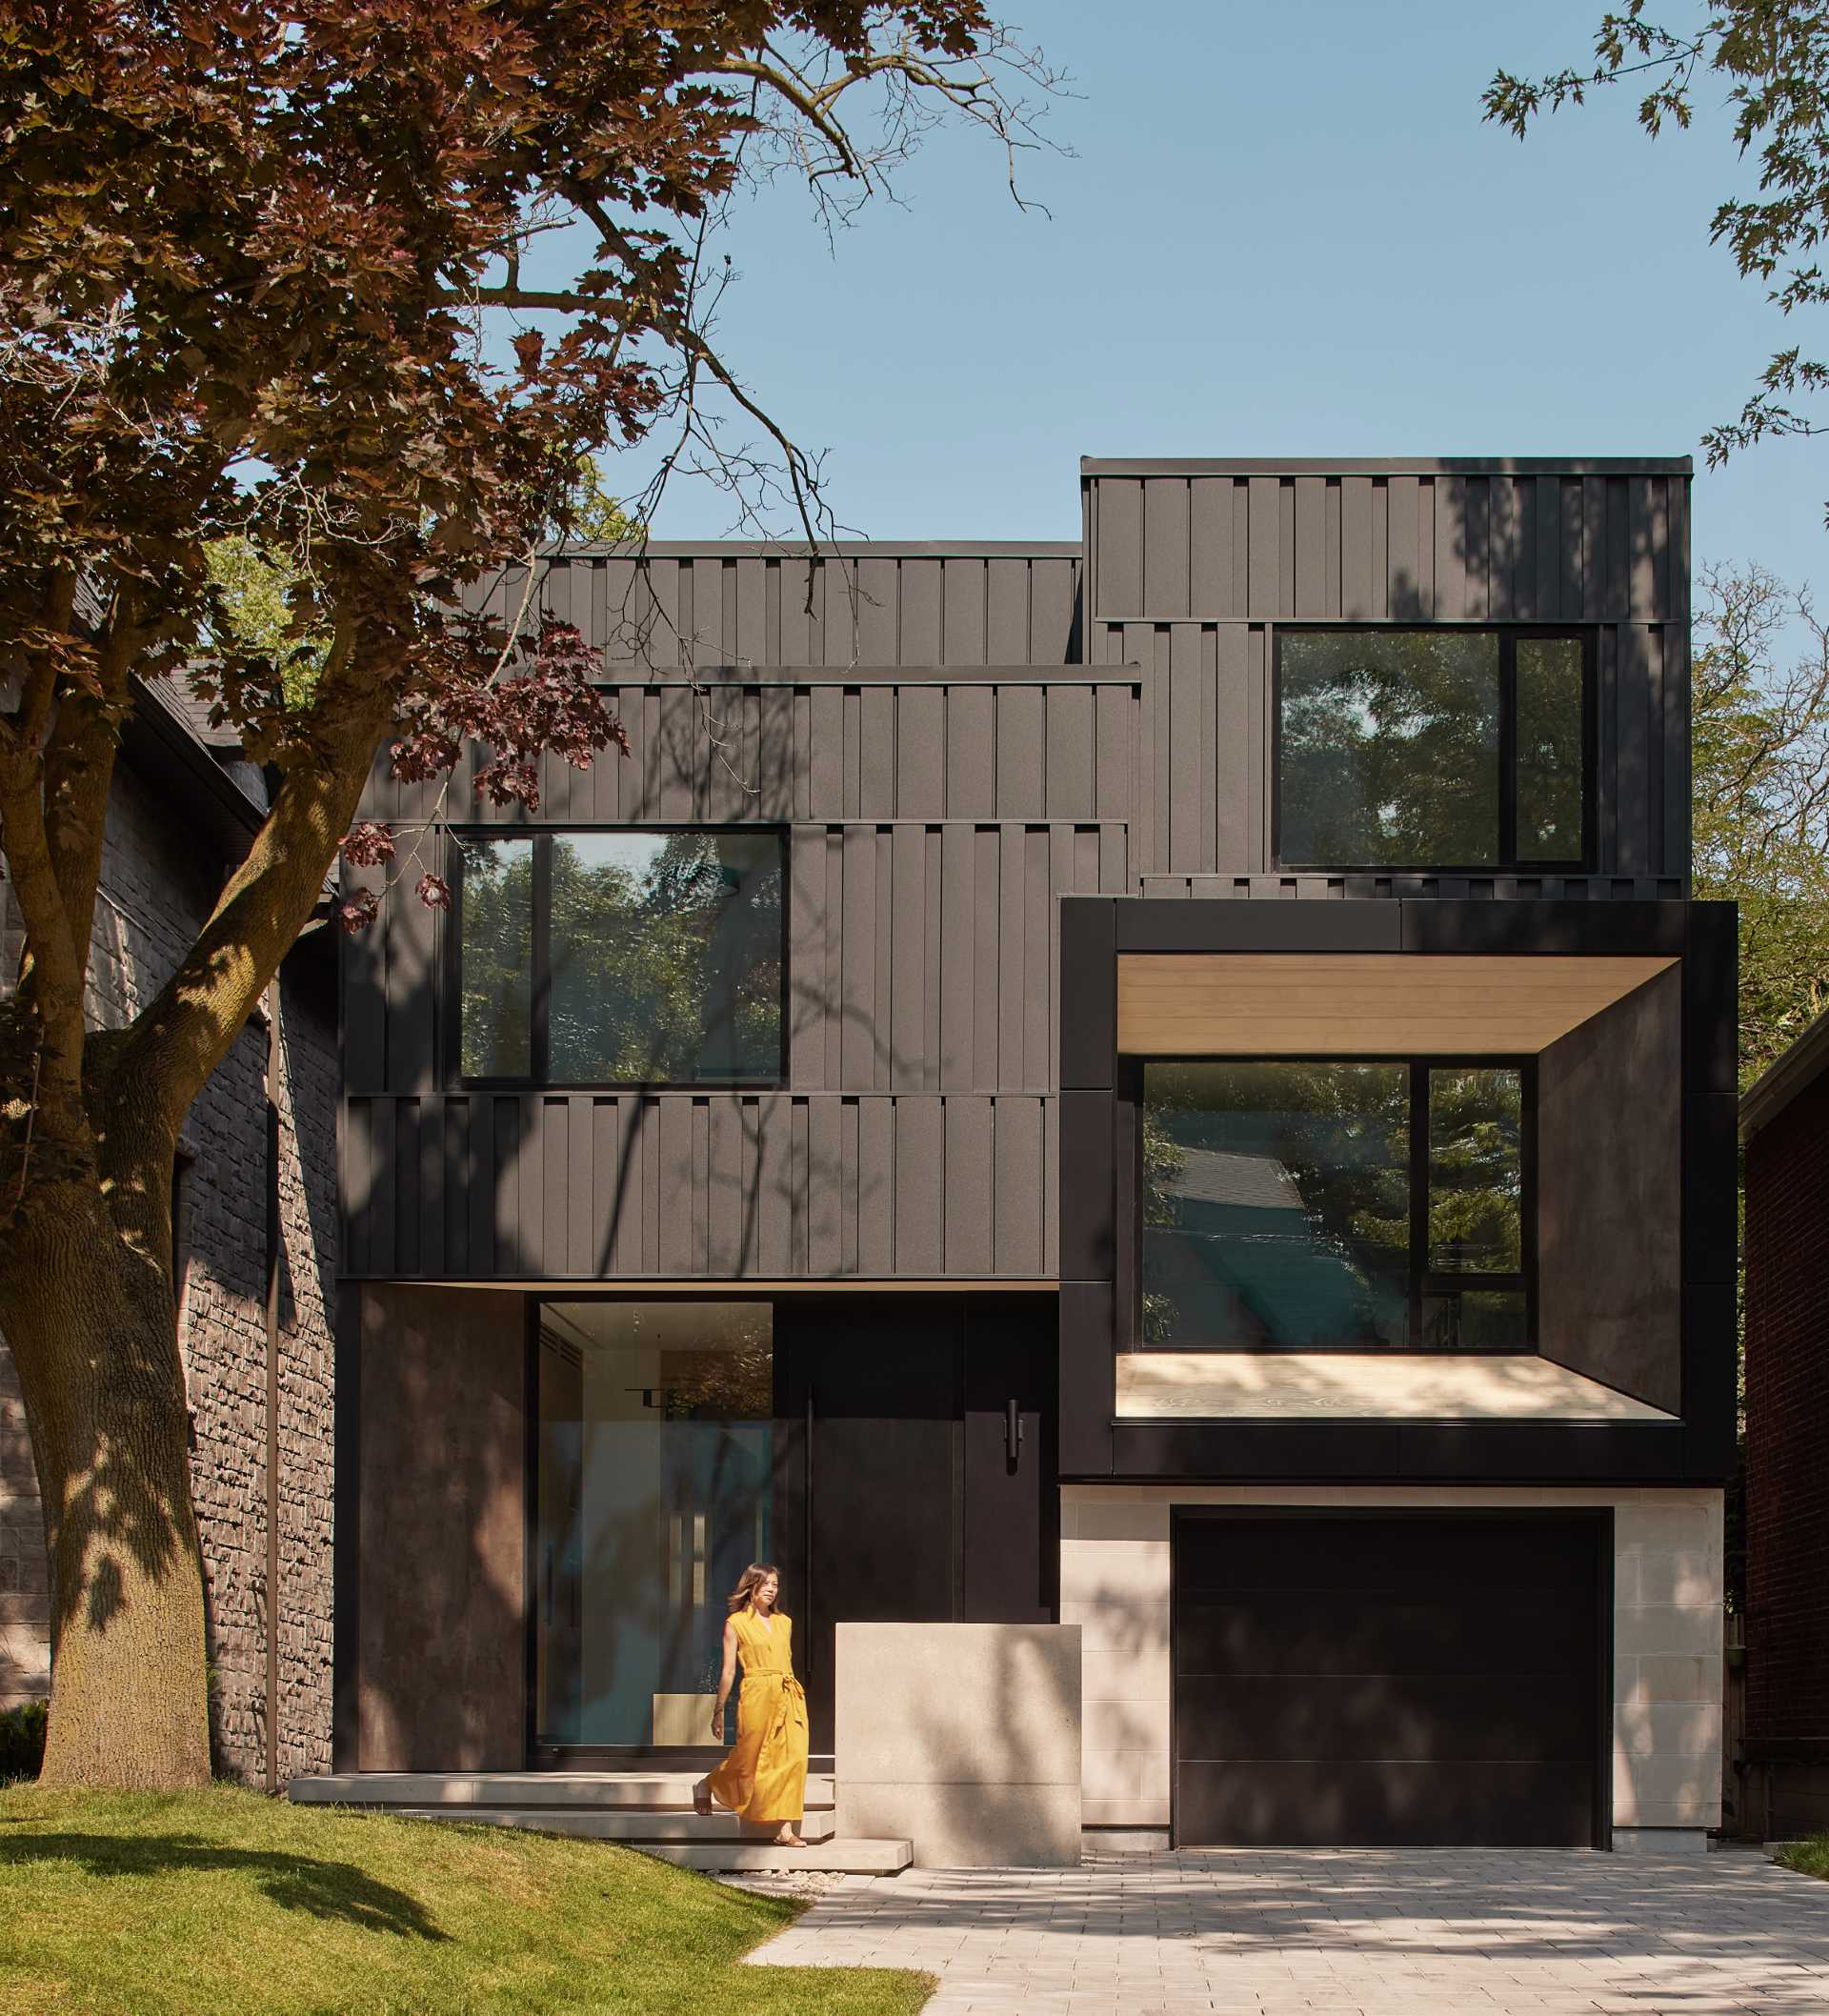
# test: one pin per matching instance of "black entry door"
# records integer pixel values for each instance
(1011, 1572)
(911, 1508)
(1388, 1680)
(876, 1380)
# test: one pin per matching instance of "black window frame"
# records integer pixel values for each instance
(1422, 1282)
(451, 988)
(1506, 860)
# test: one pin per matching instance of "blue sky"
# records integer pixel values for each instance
(1283, 228)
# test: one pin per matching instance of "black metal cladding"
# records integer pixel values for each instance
(1099, 1258)
(1192, 564)
(955, 739)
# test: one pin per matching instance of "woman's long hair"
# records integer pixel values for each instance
(749, 1581)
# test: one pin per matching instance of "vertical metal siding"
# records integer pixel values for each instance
(932, 826)
(1547, 546)
(748, 609)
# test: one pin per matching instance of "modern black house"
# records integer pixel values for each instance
(1170, 1082)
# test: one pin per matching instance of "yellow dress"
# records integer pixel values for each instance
(763, 1780)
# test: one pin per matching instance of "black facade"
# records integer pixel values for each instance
(1009, 783)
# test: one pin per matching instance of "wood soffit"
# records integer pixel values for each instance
(1362, 1004)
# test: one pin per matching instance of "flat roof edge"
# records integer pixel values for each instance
(828, 548)
(1387, 465)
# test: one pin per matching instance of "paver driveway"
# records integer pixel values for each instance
(1341, 1933)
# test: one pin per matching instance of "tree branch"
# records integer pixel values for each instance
(180, 1037)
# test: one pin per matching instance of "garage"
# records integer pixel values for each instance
(1389, 1679)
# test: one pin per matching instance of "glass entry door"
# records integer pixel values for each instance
(654, 1487)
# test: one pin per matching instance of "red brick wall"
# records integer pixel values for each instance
(1787, 1421)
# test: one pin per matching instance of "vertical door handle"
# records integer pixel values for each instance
(1013, 1432)
(811, 1637)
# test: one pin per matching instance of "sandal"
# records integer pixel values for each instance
(702, 1801)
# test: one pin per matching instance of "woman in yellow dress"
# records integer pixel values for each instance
(764, 1777)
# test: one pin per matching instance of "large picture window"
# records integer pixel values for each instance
(1295, 1205)
(624, 958)
(1437, 749)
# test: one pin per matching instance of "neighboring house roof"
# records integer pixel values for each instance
(1783, 1079)
(175, 730)
(1256, 1182)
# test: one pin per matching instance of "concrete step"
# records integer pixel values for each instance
(634, 1830)
(839, 1857)
(638, 1791)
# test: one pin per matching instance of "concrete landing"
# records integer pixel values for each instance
(632, 1829)
(644, 1789)
(646, 1808)
(838, 1857)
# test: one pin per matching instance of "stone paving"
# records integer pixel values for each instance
(1341, 1933)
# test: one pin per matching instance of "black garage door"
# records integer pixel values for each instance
(1388, 1680)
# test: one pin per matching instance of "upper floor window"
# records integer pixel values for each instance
(622, 958)
(1322, 1204)
(1437, 749)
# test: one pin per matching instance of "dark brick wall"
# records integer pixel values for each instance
(1787, 1423)
(158, 884)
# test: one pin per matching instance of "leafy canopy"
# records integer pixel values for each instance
(1760, 735)
(1768, 61)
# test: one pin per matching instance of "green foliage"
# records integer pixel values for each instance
(1809, 1857)
(1760, 735)
(260, 614)
(593, 512)
(226, 1903)
(22, 1739)
(1766, 63)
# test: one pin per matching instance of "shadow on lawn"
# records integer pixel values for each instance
(295, 1883)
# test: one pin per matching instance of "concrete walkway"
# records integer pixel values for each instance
(1341, 1933)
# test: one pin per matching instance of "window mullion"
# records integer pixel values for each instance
(1419, 1195)
(542, 935)
(1507, 854)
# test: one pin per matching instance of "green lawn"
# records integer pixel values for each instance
(1811, 1858)
(226, 1903)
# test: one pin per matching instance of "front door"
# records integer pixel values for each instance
(894, 1453)
(931, 1495)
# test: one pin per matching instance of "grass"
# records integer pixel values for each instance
(1809, 1857)
(226, 1903)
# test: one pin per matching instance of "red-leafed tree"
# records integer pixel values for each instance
(266, 282)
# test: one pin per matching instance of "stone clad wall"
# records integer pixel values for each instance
(157, 886)
(964, 1740)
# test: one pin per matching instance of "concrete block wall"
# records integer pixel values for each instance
(964, 1740)
(1667, 1622)
(156, 888)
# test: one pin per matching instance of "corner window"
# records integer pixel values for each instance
(1432, 748)
(622, 958)
(1295, 1205)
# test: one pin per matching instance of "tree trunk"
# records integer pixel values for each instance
(88, 1313)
